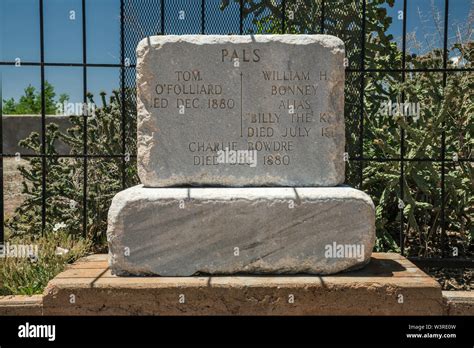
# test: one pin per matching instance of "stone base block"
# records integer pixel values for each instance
(267, 230)
(389, 285)
(21, 305)
(459, 302)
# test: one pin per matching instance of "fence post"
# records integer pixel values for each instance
(443, 133)
(84, 135)
(283, 16)
(43, 123)
(241, 18)
(402, 136)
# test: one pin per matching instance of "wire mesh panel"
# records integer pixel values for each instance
(220, 19)
(263, 17)
(183, 17)
(304, 17)
(141, 18)
(346, 20)
(416, 166)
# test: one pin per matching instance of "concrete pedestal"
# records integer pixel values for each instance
(388, 285)
(265, 230)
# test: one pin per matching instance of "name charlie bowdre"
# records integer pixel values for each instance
(37, 331)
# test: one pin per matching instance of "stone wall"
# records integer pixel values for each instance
(19, 127)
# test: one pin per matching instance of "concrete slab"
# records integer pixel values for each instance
(459, 302)
(21, 305)
(389, 285)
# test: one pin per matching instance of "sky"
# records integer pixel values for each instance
(20, 36)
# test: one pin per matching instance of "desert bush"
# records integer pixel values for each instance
(444, 112)
(65, 175)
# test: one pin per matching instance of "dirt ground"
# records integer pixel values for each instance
(452, 278)
(12, 185)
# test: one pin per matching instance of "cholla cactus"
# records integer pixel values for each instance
(65, 175)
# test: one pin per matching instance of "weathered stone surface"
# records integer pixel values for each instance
(186, 231)
(281, 95)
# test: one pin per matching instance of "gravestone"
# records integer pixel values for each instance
(279, 98)
(239, 138)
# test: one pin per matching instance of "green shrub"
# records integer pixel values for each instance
(29, 276)
(448, 110)
(65, 175)
(30, 102)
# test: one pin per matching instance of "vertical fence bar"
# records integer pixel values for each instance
(122, 90)
(84, 92)
(361, 96)
(443, 133)
(43, 122)
(162, 13)
(241, 17)
(203, 15)
(283, 16)
(321, 31)
(402, 135)
(2, 217)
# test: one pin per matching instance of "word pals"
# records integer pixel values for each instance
(245, 55)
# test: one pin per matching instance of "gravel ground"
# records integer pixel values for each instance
(452, 278)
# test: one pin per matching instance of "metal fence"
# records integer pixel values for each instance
(140, 18)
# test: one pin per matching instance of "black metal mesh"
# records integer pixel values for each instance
(183, 17)
(348, 27)
(348, 20)
(255, 11)
(222, 21)
(142, 18)
(303, 17)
